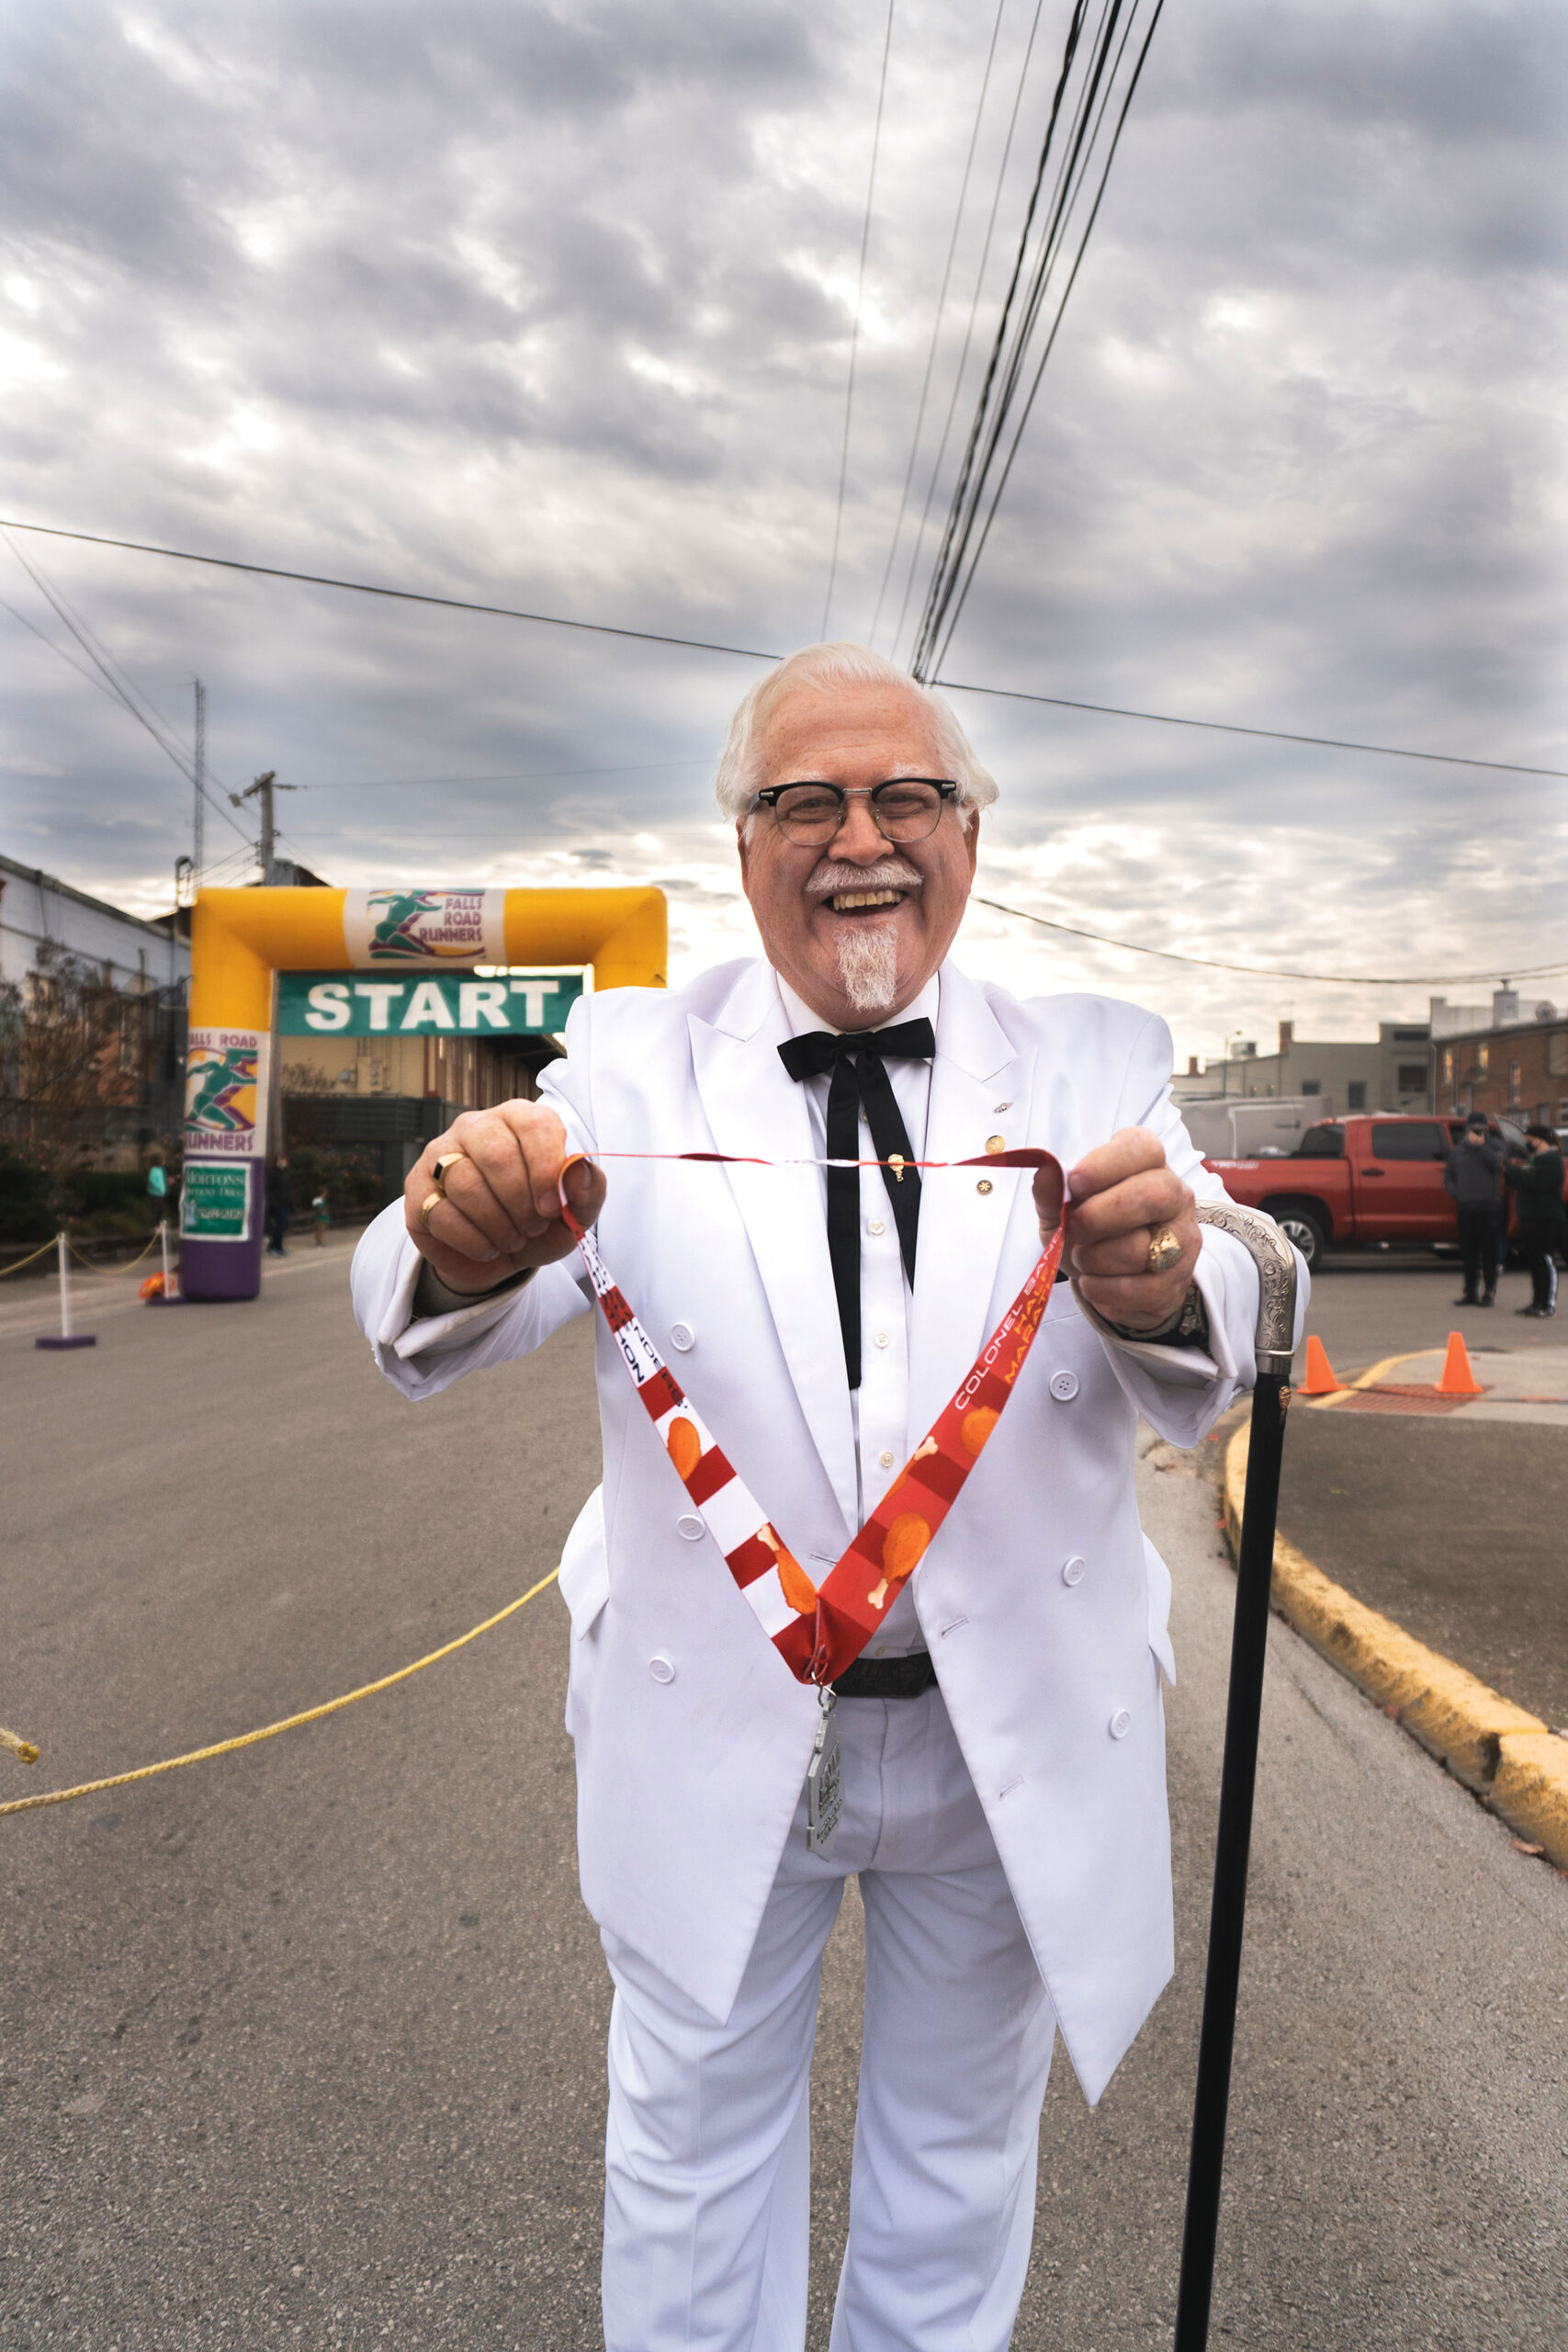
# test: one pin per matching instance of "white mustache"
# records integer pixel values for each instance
(890, 874)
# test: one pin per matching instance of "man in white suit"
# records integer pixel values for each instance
(1002, 1736)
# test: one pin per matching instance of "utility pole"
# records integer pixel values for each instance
(200, 786)
(262, 790)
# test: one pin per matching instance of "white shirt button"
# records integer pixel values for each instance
(1121, 1723)
(691, 1527)
(682, 1336)
(1072, 1570)
(877, 1225)
(661, 1669)
(1064, 1386)
(886, 1458)
(881, 1339)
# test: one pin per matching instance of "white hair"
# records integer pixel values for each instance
(817, 667)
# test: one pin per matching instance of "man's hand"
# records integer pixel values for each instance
(502, 1211)
(1123, 1194)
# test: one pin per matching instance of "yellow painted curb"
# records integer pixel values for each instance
(1531, 1791)
(1368, 1379)
(1506, 1755)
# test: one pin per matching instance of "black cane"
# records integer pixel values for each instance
(1254, 1563)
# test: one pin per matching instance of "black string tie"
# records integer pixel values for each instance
(860, 1083)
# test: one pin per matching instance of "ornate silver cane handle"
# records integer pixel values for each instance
(1276, 1263)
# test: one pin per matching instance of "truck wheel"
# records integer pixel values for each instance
(1304, 1231)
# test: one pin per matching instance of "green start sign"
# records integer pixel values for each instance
(338, 1004)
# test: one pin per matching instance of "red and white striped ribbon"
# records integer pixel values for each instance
(819, 1629)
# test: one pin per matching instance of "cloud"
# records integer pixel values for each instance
(551, 305)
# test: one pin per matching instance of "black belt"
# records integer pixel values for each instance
(887, 1678)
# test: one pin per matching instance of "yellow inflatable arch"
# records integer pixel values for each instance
(241, 939)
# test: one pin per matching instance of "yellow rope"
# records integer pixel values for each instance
(93, 1266)
(28, 1262)
(290, 1723)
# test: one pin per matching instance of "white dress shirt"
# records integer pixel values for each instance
(881, 1403)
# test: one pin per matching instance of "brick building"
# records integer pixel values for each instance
(1508, 1063)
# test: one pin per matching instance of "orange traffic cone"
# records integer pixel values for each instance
(1320, 1380)
(1457, 1379)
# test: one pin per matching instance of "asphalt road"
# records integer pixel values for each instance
(1456, 1531)
(1385, 1303)
(304, 2046)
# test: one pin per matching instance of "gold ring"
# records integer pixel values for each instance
(1165, 1250)
(431, 1201)
(447, 1159)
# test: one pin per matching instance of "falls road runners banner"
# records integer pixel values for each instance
(821, 1629)
(226, 1084)
(424, 928)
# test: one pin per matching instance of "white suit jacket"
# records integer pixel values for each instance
(692, 1735)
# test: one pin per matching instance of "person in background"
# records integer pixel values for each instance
(323, 1217)
(1535, 1180)
(279, 1203)
(157, 1182)
(1472, 1180)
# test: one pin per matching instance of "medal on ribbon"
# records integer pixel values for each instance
(820, 1629)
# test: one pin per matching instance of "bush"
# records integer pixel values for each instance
(347, 1173)
(26, 1201)
(102, 1202)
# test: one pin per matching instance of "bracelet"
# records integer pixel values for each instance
(433, 1296)
(1188, 1327)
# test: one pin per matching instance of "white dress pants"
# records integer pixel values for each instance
(707, 2189)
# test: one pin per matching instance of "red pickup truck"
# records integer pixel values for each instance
(1353, 1181)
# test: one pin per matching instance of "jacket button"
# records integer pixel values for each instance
(1064, 1386)
(1120, 1726)
(682, 1336)
(690, 1526)
(661, 1669)
(1072, 1570)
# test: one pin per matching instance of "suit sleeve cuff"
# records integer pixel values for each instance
(1178, 1367)
(425, 1317)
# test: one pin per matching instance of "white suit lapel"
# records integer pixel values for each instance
(977, 1070)
(753, 1106)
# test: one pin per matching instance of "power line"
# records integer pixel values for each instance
(1268, 734)
(506, 776)
(956, 505)
(1266, 972)
(935, 474)
(54, 646)
(854, 326)
(1049, 346)
(117, 683)
(751, 653)
(936, 322)
(397, 595)
(1083, 156)
(1049, 343)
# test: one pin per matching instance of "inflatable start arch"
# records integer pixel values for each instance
(241, 939)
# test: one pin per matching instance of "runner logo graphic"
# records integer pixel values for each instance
(221, 1090)
(382, 927)
(226, 1094)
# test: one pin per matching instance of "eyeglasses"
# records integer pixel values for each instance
(904, 809)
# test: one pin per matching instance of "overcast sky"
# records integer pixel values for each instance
(552, 307)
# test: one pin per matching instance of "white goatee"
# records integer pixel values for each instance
(868, 966)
